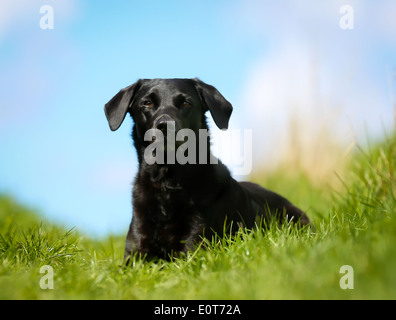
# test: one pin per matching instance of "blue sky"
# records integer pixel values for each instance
(269, 58)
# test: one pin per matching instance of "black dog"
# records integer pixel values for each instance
(174, 205)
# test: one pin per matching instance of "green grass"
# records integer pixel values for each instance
(355, 226)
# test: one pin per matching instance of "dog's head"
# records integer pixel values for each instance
(153, 103)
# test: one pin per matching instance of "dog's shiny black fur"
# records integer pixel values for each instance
(174, 205)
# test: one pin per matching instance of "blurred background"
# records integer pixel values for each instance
(308, 87)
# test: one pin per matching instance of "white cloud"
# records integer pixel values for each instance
(112, 177)
(315, 75)
(31, 56)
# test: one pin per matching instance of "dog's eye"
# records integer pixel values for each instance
(186, 104)
(147, 103)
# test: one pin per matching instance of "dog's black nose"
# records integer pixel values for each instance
(161, 125)
(164, 123)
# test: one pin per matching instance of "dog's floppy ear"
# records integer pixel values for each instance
(218, 106)
(117, 108)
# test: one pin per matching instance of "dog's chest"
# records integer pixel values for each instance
(168, 221)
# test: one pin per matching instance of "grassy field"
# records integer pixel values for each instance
(355, 226)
